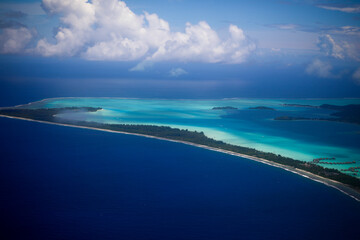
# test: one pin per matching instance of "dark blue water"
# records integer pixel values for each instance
(67, 183)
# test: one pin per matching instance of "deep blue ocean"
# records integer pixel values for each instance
(66, 183)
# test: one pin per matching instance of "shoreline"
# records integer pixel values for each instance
(328, 182)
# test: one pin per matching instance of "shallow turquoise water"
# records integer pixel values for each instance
(302, 140)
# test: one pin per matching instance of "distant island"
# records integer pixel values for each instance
(262, 108)
(43, 114)
(348, 114)
(48, 115)
(224, 108)
(298, 105)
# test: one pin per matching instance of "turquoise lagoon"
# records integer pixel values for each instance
(255, 128)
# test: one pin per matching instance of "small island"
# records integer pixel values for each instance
(347, 114)
(289, 118)
(262, 108)
(43, 114)
(345, 182)
(298, 105)
(224, 108)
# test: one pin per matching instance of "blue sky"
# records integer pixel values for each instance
(253, 47)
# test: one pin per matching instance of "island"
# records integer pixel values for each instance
(332, 177)
(348, 114)
(224, 108)
(43, 114)
(298, 105)
(262, 108)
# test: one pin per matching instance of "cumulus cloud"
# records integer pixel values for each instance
(320, 69)
(109, 30)
(176, 72)
(14, 40)
(347, 9)
(78, 16)
(201, 43)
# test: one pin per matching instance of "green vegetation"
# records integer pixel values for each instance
(298, 105)
(288, 118)
(43, 114)
(348, 114)
(262, 108)
(182, 135)
(224, 108)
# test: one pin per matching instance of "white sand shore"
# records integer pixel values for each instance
(328, 182)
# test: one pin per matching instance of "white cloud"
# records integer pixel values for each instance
(78, 16)
(109, 30)
(121, 49)
(328, 46)
(176, 72)
(284, 26)
(356, 76)
(320, 69)
(353, 9)
(14, 40)
(141, 66)
(201, 43)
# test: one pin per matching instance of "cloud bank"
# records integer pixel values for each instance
(109, 30)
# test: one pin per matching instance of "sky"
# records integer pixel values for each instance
(179, 48)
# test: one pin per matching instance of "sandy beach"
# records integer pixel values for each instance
(328, 182)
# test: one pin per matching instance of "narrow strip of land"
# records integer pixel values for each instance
(353, 193)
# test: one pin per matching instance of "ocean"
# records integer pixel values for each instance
(66, 183)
